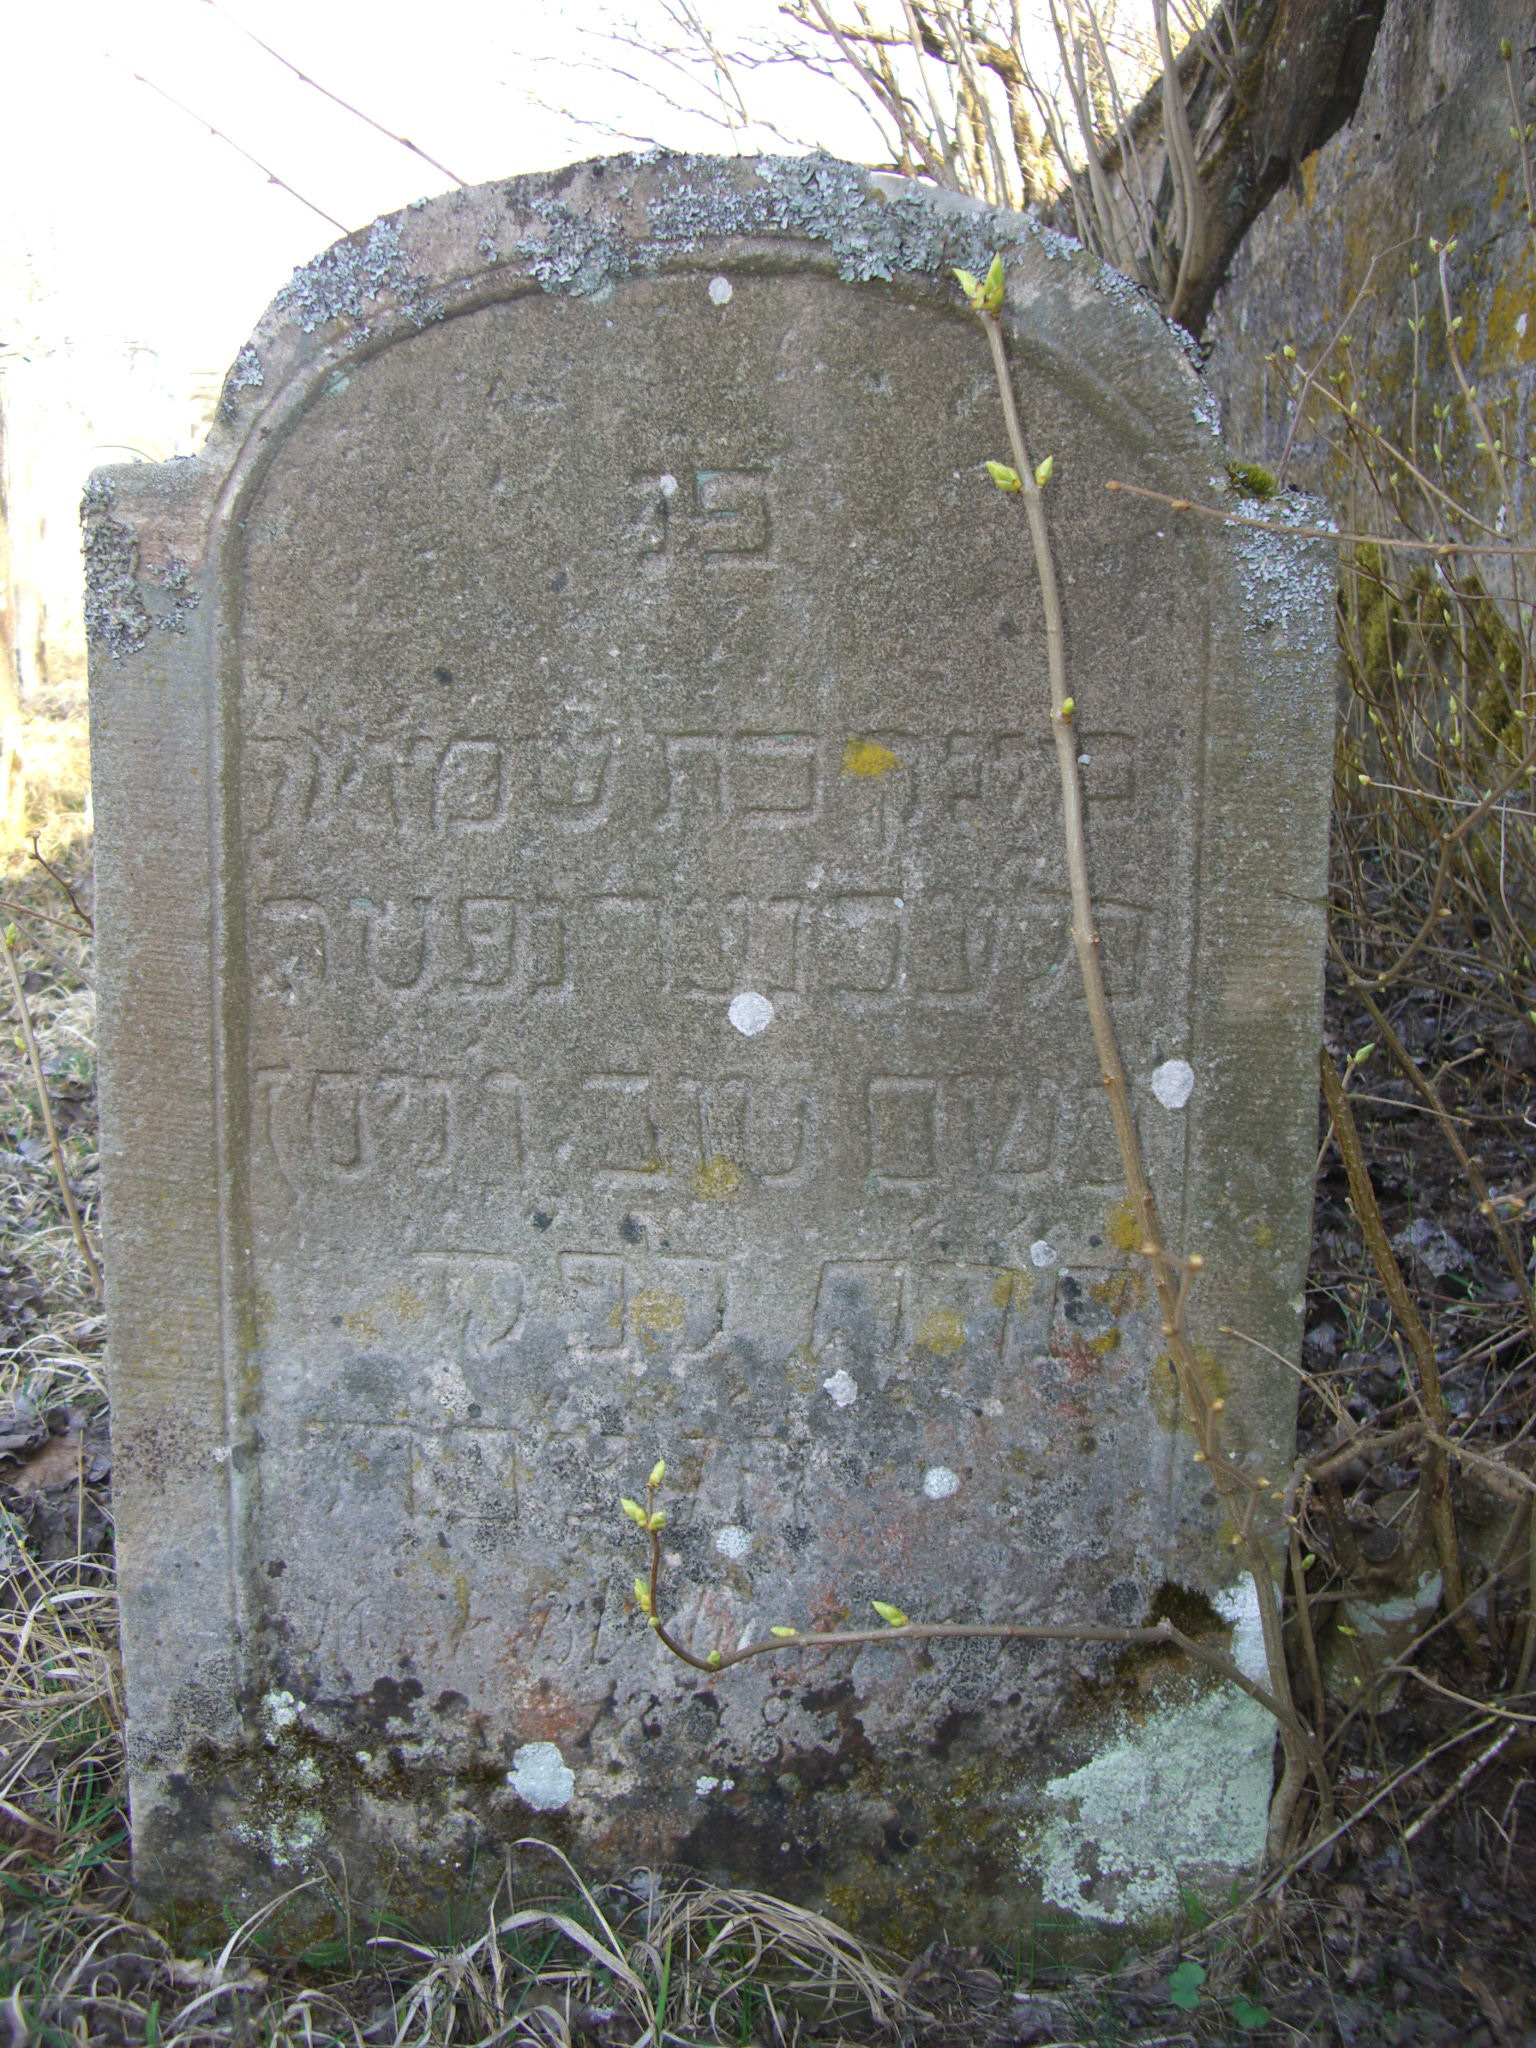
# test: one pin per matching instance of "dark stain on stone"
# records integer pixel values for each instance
(442, 675)
(949, 1731)
(450, 1703)
(541, 1219)
(276, 1566)
(391, 1699)
(631, 1230)
(1008, 629)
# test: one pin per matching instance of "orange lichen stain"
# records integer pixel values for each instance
(1122, 1229)
(1077, 1355)
(868, 758)
(1013, 1290)
(942, 1331)
(717, 1179)
(362, 1323)
(657, 1313)
(1309, 181)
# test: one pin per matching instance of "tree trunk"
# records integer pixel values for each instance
(1266, 84)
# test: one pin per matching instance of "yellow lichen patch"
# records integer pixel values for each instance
(1013, 1289)
(1122, 1229)
(406, 1307)
(868, 758)
(717, 1179)
(657, 1313)
(942, 1331)
(362, 1322)
(1263, 1236)
(804, 1370)
(1101, 1347)
(1120, 1291)
(1163, 1388)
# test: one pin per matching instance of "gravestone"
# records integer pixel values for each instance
(586, 976)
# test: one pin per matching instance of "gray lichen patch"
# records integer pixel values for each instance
(874, 228)
(116, 614)
(348, 280)
(246, 374)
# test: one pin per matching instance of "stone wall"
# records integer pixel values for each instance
(1429, 152)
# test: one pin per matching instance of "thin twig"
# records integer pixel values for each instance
(47, 1112)
(334, 97)
(1373, 540)
(1453, 1792)
(26, 910)
(1442, 1514)
(59, 876)
(218, 135)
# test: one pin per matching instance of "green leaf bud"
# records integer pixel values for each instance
(635, 1512)
(658, 1473)
(1005, 478)
(784, 1634)
(1043, 471)
(891, 1616)
(643, 1596)
(714, 1660)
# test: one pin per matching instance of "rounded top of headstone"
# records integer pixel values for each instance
(584, 230)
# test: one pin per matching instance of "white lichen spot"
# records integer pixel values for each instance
(1174, 1083)
(720, 291)
(939, 1482)
(541, 1777)
(1520, 325)
(1179, 1798)
(750, 1013)
(306, 1773)
(1042, 1253)
(843, 1388)
(279, 1712)
(704, 1786)
(285, 1842)
(668, 485)
(733, 1542)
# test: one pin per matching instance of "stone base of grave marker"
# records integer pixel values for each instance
(586, 976)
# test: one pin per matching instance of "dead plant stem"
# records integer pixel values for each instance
(1509, 1248)
(36, 1059)
(1371, 540)
(1436, 1483)
(1238, 1491)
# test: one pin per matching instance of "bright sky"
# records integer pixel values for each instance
(142, 225)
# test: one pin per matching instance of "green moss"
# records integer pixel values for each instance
(1250, 480)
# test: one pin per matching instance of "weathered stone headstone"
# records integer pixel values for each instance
(586, 976)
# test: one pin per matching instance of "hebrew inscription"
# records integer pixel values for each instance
(588, 975)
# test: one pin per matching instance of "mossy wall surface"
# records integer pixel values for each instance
(1429, 153)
